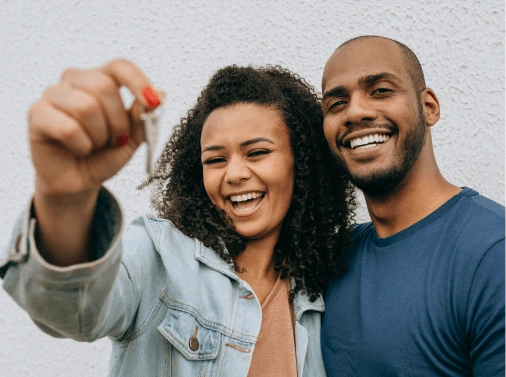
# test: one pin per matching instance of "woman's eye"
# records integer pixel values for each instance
(258, 152)
(214, 160)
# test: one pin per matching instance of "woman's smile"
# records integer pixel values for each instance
(246, 202)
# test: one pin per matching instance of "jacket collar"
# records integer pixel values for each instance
(301, 302)
(212, 260)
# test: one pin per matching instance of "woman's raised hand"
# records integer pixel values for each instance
(80, 133)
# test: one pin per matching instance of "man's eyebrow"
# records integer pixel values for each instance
(338, 91)
(244, 143)
(372, 79)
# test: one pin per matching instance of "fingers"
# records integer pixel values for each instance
(85, 112)
(73, 129)
(105, 163)
(125, 73)
(48, 123)
(104, 83)
(106, 92)
(84, 108)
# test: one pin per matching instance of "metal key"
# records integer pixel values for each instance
(150, 126)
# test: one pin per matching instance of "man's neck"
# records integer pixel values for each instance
(420, 194)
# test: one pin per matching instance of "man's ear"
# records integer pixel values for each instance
(430, 105)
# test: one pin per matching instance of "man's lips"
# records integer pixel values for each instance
(365, 136)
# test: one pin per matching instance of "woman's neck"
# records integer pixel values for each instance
(255, 265)
(257, 260)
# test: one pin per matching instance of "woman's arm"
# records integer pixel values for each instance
(84, 301)
(65, 234)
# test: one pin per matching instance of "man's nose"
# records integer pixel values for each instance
(359, 109)
(237, 171)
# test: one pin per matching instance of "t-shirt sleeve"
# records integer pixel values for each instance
(485, 314)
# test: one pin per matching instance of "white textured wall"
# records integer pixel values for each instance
(181, 43)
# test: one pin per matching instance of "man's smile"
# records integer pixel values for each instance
(365, 138)
(368, 141)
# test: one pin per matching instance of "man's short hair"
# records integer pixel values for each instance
(411, 62)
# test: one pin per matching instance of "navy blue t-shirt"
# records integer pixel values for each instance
(426, 301)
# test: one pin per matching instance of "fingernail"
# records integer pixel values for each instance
(150, 96)
(122, 140)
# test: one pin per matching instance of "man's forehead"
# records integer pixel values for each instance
(363, 57)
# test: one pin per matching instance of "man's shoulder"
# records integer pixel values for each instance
(360, 230)
(478, 222)
(480, 216)
(484, 204)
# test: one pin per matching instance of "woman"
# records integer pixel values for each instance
(253, 216)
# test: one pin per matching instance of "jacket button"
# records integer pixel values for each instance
(194, 344)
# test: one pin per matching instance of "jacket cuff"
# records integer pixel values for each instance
(108, 225)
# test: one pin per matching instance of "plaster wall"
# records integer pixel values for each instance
(180, 44)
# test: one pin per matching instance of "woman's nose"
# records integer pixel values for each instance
(237, 171)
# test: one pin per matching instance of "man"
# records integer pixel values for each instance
(423, 294)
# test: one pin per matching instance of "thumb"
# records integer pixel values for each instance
(105, 163)
(136, 124)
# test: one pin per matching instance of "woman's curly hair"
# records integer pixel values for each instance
(317, 227)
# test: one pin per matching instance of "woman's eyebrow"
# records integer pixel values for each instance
(244, 143)
(256, 140)
(213, 148)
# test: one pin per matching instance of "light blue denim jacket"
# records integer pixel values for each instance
(151, 291)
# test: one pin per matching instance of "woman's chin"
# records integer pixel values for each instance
(257, 233)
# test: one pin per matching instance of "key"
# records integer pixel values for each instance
(150, 126)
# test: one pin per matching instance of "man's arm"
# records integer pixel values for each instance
(485, 314)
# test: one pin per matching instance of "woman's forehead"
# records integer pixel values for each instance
(242, 121)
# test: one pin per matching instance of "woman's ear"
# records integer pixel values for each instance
(430, 105)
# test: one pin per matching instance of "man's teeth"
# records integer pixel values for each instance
(368, 141)
(244, 197)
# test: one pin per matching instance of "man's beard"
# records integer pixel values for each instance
(382, 182)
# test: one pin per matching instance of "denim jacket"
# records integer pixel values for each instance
(169, 304)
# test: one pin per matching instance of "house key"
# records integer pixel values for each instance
(150, 127)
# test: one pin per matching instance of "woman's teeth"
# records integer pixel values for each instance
(246, 202)
(368, 141)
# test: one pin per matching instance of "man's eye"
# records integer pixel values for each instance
(258, 152)
(381, 91)
(336, 104)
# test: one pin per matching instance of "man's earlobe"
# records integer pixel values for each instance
(430, 104)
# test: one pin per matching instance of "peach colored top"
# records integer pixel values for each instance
(274, 354)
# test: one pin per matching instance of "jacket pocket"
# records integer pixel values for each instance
(189, 336)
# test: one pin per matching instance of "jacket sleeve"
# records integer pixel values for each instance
(83, 302)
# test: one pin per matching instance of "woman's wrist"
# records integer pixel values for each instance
(64, 234)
